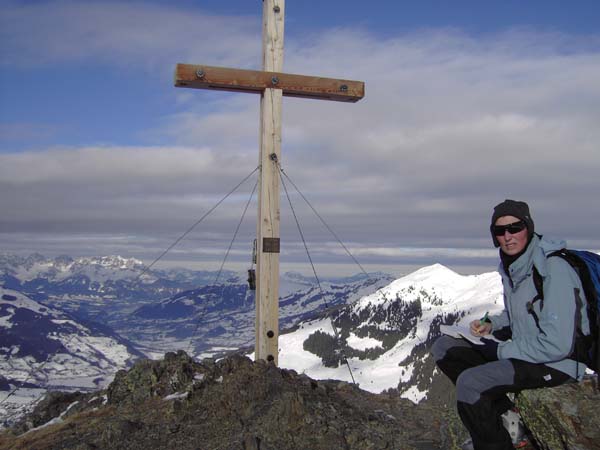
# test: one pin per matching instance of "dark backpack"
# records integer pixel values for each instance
(587, 266)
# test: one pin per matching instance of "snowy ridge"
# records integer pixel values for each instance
(14, 300)
(447, 289)
(97, 269)
(42, 347)
(407, 311)
(75, 354)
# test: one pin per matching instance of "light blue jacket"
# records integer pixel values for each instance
(564, 306)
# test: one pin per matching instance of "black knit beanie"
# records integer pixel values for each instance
(515, 208)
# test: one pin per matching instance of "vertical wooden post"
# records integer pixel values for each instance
(267, 264)
(271, 89)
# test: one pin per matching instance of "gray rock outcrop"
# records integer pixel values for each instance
(566, 417)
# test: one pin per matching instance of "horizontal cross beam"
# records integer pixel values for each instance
(256, 81)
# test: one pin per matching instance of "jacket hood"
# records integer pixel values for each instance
(545, 246)
(549, 245)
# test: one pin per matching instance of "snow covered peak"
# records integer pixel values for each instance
(434, 270)
(434, 275)
(387, 332)
(438, 281)
(33, 259)
(59, 268)
(114, 262)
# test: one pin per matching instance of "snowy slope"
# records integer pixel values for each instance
(73, 354)
(388, 333)
(214, 319)
(43, 348)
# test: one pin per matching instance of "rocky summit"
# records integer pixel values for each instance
(238, 404)
(234, 403)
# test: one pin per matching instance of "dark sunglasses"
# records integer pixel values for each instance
(512, 228)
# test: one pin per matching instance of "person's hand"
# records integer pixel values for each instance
(478, 329)
(489, 349)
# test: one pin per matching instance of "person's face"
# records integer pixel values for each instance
(511, 243)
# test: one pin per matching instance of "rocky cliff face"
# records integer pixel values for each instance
(231, 404)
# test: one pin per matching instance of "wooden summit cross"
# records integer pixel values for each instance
(271, 84)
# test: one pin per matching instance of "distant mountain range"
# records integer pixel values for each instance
(100, 315)
(166, 310)
(108, 278)
(72, 323)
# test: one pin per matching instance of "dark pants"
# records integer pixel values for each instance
(482, 385)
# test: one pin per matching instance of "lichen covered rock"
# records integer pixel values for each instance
(149, 378)
(566, 417)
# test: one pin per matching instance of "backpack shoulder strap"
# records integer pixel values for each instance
(539, 287)
(538, 282)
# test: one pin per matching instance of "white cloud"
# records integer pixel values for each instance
(434, 253)
(125, 189)
(451, 124)
(133, 34)
(104, 164)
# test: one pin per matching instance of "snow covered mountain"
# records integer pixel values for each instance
(386, 327)
(102, 289)
(214, 319)
(97, 269)
(41, 347)
(95, 278)
(95, 287)
(164, 311)
(73, 353)
(49, 305)
(386, 335)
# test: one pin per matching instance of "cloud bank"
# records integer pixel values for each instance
(451, 125)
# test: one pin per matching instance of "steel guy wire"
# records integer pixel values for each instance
(237, 229)
(35, 370)
(335, 330)
(189, 230)
(333, 233)
(324, 223)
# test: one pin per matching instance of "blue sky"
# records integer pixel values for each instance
(467, 103)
